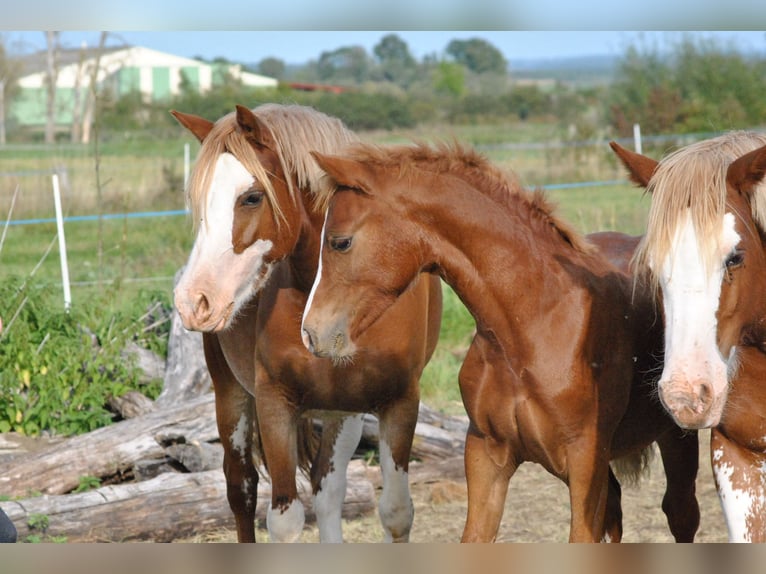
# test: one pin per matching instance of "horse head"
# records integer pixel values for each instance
(365, 280)
(704, 250)
(234, 193)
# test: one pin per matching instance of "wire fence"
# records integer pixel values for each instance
(155, 179)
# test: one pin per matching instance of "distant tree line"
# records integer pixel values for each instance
(699, 85)
(692, 85)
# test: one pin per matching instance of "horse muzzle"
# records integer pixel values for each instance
(692, 404)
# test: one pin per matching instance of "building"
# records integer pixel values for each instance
(156, 75)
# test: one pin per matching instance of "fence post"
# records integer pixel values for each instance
(62, 243)
(637, 137)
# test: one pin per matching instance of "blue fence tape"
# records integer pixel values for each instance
(137, 215)
(171, 213)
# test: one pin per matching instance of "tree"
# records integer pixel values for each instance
(90, 102)
(695, 85)
(52, 72)
(349, 63)
(9, 74)
(396, 62)
(272, 67)
(478, 55)
(449, 78)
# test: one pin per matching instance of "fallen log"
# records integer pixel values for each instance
(123, 451)
(437, 436)
(109, 451)
(162, 509)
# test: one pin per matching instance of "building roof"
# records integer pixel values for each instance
(37, 62)
(112, 58)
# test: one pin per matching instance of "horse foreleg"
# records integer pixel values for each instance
(588, 469)
(397, 429)
(679, 449)
(613, 518)
(234, 417)
(340, 437)
(487, 478)
(741, 481)
(278, 425)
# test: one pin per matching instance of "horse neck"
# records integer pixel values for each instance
(304, 258)
(504, 265)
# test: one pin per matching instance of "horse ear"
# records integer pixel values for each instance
(253, 128)
(745, 173)
(640, 168)
(346, 172)
(198, 126)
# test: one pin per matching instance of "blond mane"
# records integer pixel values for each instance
(297, 130)
(692, 180)
(502, 186)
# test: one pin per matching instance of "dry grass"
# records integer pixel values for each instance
(536, 510)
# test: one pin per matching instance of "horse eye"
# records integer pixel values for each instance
(735, 259)
(340, 244)
(251, 198)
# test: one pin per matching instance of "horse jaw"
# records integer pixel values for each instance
(217, 282)
(695, 379)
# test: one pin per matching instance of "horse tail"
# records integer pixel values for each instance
(308, 444)
(630, 468)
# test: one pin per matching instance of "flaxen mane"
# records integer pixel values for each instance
(692, 180)
(297, 130)
(467, 164)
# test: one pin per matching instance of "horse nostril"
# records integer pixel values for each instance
(201, 306)
(705, 393)
(308, 340)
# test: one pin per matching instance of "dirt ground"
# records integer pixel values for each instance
(537, 510)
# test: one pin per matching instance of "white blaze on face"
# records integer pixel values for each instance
(314, 287)
(227, 279)
(691, 293)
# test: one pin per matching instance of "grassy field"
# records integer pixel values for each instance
(129, 256)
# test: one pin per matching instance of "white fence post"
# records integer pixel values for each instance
(62, 242)
(637, 138)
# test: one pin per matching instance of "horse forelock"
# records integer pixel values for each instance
(296, 131)
(467, 164)
(691, 182)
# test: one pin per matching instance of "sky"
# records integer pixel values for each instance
(300, 46)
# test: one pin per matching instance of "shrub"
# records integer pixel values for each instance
(57, 368)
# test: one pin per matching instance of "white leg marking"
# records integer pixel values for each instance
(238, 441)
(738, 504)
(395, 506)
(286, 526)
(239, 436)
(328, 502)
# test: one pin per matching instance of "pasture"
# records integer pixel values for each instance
(124, 265)
(127, 256)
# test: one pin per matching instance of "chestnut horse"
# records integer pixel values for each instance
(560, 350)
(252, 195)
(704, 248)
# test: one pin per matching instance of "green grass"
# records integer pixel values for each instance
(439, 383)
(133, 252)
